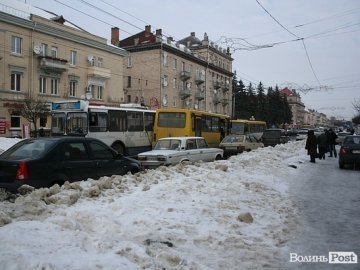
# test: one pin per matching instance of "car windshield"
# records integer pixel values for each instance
(167, 144)
(27, 149)
(233, 139)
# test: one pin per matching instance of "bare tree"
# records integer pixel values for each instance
(356, 106)
(34, 108)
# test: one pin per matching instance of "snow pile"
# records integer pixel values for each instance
(228, 214)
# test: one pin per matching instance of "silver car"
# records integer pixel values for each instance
(174, 150)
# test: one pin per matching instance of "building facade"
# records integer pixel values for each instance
(296, 106)
(190, 73)
(49, 60)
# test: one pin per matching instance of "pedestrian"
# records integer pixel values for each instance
(311, 145)
(322, 145)
(331, 139)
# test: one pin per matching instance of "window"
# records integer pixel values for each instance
(100, 151)
(135, 121)
(175, 64)
(73, 58)
(100, 62)
(15, 81)
(97, 121)
(99, 92)
(16, 45)
(174, 83)
(165, 59)
(15, 120)
(42, 85)
(72, 88)
(117, 120)
(54, 86)
(129, 61)
(129, 81)
(44, 49)
(54, 52)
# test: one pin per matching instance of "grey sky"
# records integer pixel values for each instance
(324, 67)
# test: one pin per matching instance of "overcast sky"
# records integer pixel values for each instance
(310, 46)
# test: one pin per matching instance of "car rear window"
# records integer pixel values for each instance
(272, 134)
(27, 149)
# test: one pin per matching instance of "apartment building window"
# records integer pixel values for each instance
(54, 86)
(54, 52)
(165, 59)
(129, 61)
(42, 85)
(175, 63)
(16, 45)
(128, 81)
(182, 66)
(99, 92)
(174, 83)
(100, 62)
(44, 49)
(15, 81)
(73, 58)
(128, 98)
(15, 120)
(72, 88)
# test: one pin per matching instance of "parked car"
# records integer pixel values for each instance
(174, 150)
(341, 136)
(302, 134)
(43, 162)
(349, 153)
(235, 144)
(274, 136)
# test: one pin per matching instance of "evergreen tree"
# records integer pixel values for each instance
(240, 101)
(260, 113)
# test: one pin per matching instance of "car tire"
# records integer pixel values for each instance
(218, 157)
(119, 148)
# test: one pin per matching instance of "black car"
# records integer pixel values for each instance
(349, 153)
(43, 162)
(274, 136)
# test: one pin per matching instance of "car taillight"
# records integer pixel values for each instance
(342, 151)
(22, 171)
(142, 158)
(161, 158)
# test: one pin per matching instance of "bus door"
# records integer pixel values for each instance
(198, 126)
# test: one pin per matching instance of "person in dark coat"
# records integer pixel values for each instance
(322, 145)
(311, 145)
(331, 139)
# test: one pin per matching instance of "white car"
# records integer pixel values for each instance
(174, 150)
(234, 144)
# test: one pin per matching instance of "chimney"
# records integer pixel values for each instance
(115, 35)
(158, 35)
(147, 30)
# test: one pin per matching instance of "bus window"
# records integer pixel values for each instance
(149, 119)
(98, 121)
(76, 123)
(135, 121)
(171, 120)
(206, 126)
(58, 124)
(117, 120)
(215, 124)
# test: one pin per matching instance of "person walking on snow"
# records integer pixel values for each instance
(322, 145)
(331, 139)
(311, 145)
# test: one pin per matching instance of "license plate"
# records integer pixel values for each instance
(356, 151)
(231, 147)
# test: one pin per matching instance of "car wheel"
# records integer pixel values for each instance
(218, 157)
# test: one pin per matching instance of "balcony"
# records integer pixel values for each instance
(199, 95)
(226, 87)
(224, 101)
(99, 72)
(185, 93)
(216, 99)
(217, 84)
(53, 64)
(199, 79)
(185, 75)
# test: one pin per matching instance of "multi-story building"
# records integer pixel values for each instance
(296, 106)
(49, 58)
(190, 73)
